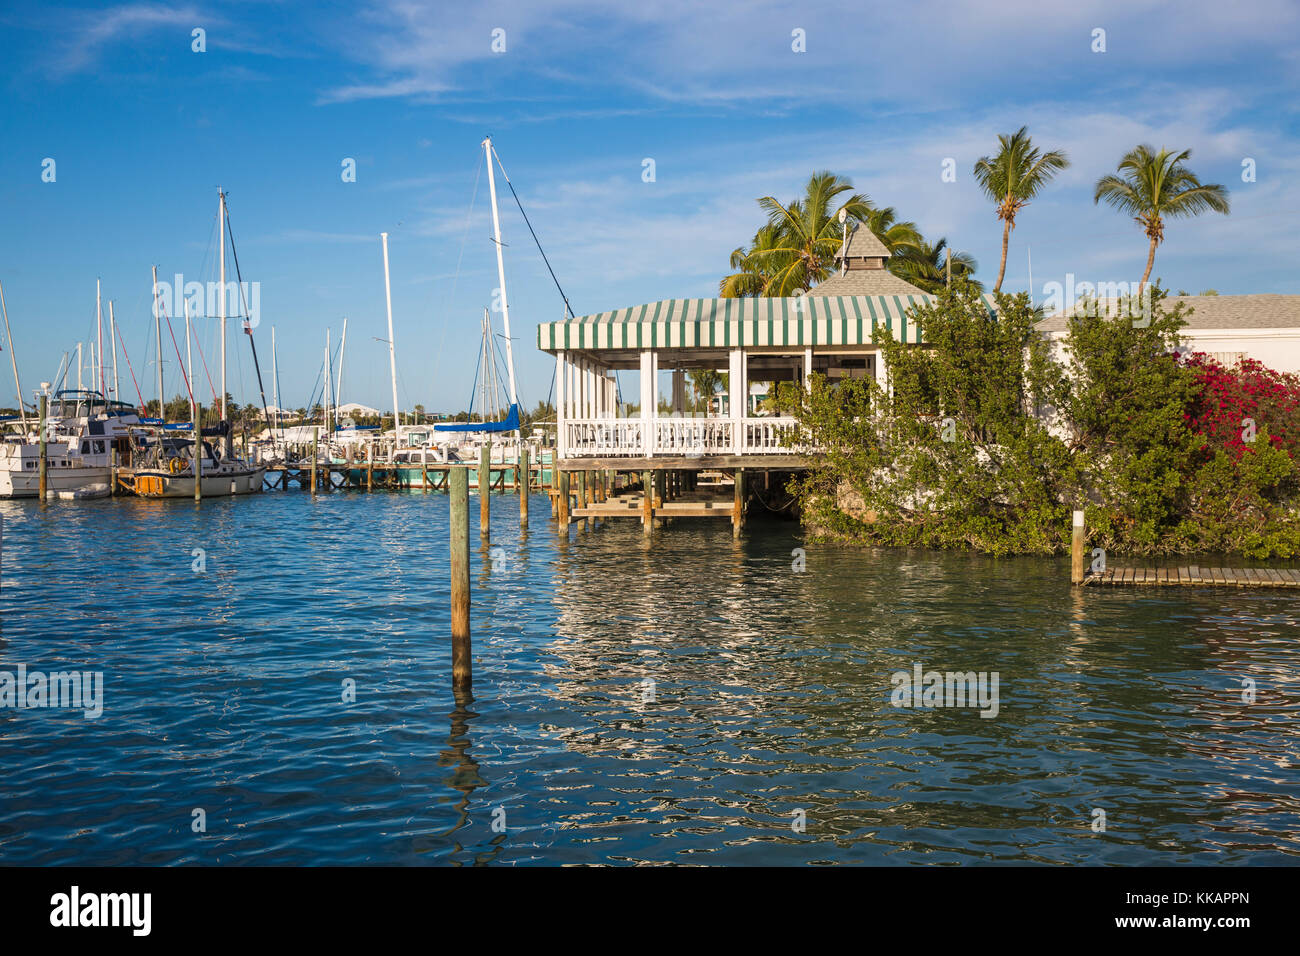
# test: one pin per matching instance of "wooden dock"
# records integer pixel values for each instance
(1196, 576)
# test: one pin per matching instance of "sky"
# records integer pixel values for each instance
(731, 101)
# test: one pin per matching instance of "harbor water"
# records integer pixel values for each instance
(276, 690)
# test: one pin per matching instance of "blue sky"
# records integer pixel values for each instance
(143, 130)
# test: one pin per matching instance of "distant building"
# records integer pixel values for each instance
(357, 409)
(1230, 327)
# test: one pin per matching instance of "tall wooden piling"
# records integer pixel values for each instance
(198, 452)
(485, 490)
(42, 478)
(461, 674)
(522, 480)
(1077, 542)
(370, 467)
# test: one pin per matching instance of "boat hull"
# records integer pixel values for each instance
(26, 484)
(160, 484)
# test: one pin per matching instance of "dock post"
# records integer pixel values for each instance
(461, 674)
(198, 452)
(562, 501)
(370, 467)
(522, 480)
(315, 443)
(583, 500)
(738, 506)
(1076, 549)
(42, 479)
(647, 502)
(485, 490)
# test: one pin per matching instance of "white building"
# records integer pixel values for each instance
(1231, 327)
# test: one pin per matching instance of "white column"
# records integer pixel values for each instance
(737, 396)
(560, 396)
(648, 400)
(807, 369)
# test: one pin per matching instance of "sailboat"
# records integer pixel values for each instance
(171, 465)
(511, 422)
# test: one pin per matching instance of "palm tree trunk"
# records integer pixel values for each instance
(1002, 269)
(1151, 258)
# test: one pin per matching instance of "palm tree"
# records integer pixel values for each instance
(1154, 185)
(808, 233)
(1014, 176)
(753, 272)
(897, 236)
(925, 266)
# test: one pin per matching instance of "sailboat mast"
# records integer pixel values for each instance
(80, 386)
(221, 215)
(392, 354)
(338, 380)
(501, 268)
(189, 363)
(13, 359)
(275, 381)
(325, 396)
(112, 326)
(157, 329)
(99, 332)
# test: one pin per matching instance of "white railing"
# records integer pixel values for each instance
(604, 438)
(678, 437)
(769, 436)
(694, 436)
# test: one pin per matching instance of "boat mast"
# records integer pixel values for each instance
(99, 332)
(501, 268)
(13, 359)
(189, 364)
(112, 326)
(275, 385)
(157, 329)
(221, 215)
(338, 379)
(325, 392)
(79, 368)
(392, 354)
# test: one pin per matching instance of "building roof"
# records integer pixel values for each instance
(863, 243)
(1221, 312)
(865, 282)
(811, 320)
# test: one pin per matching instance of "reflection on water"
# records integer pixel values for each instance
(677, 700)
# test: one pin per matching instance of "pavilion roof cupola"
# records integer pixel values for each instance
(861, 249)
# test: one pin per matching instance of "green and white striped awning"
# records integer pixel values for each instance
(846, 320)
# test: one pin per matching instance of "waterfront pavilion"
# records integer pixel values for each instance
(834, 330)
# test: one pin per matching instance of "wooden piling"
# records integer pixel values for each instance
(647, 502)
(738, 505)
(198, 452)
(522, 480)
(42, 478)
(562, 501)
(315, 448)
(461, 673)
(485, 490)
(370, 467)
(1077, 543)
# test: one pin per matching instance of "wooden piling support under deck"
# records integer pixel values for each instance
(522, 481)
(738, 513)
(647, 502)
(562, 501)
(485, 490)
(461, 672)
(315, 449)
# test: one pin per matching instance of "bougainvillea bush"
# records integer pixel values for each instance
(1234, 403)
